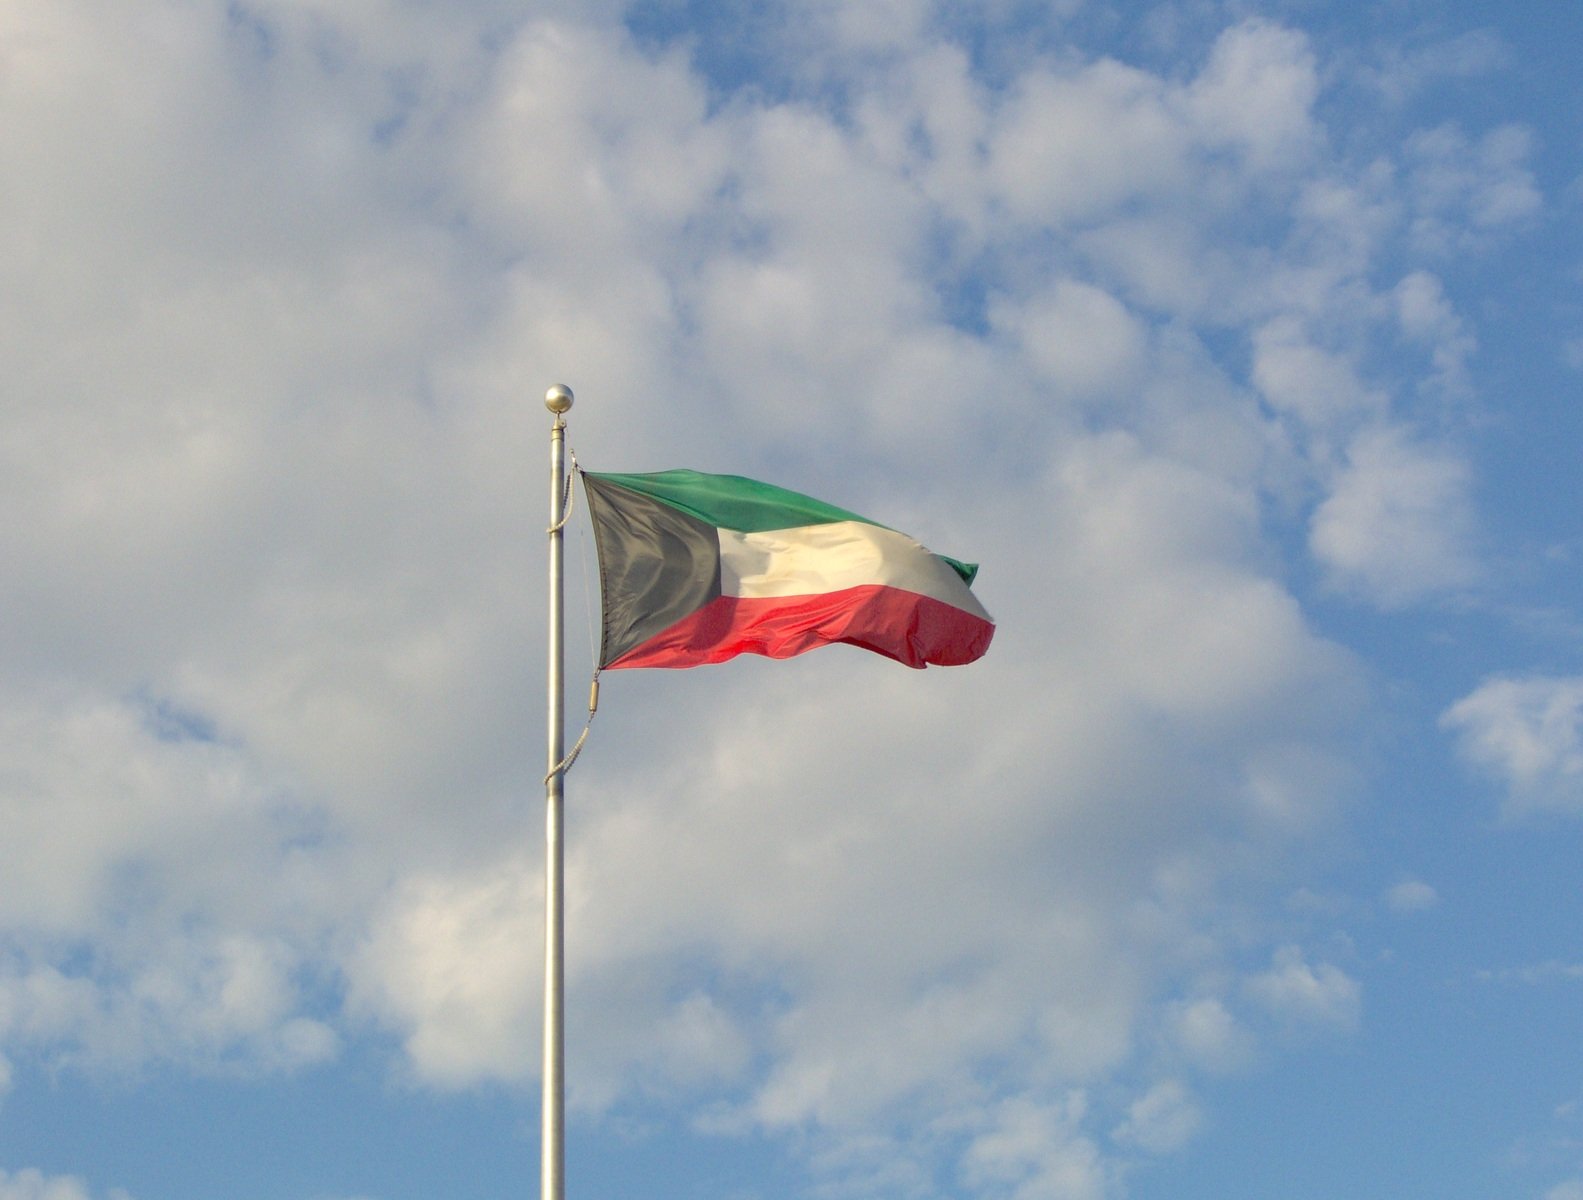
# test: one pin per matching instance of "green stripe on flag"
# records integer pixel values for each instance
(745, 505)
(732, 502)
(968, 571)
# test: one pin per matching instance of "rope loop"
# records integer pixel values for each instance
(568, 497)
(565, 765)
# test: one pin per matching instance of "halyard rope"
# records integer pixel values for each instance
(567, 500)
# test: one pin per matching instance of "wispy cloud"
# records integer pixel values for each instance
(32, 1184)
(1527, 732)
(1552, 971)
(1411, 896)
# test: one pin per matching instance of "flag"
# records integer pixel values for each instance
(697, 568)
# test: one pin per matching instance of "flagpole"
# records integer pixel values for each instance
(552, 1139)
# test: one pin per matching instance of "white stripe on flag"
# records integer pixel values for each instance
(813, 559)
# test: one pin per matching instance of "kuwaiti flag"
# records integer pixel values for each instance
(699, 568)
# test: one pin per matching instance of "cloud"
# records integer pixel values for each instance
(1300, 994)
(1162, 1120)
(1210, 1035)
(1034, 1150)
(450, 967)
(1082, 341)
(1317, 386)
(1531, 976)
(32, 1184)
(1412, 895)
(1397, 525)
(1257, 93)
(1427, 317)
(1069, 147)
(1525, 732)
(1406, 75)
(296, 275)
(157, 855)
(1466, 190)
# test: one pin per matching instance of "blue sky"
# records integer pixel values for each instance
(1239, 343)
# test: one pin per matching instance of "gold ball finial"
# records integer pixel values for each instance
(558, 399)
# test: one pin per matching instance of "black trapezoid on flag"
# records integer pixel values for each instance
(657, 565)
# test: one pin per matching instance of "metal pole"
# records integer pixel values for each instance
(552, 1140)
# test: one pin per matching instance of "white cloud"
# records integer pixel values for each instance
(1572, 353)
(1466, 189)
(1070, 146)
(1531, 976)
(1210, 1036)
(451, 966)
(1405, 74)
(161, 854)
(294, 277)
(1034, 1150)
(1080, 339)
(1257, 92)
(32, 1184)
(1317, 386)
(1397, 525)
(931, 118)
(1163, 1119)
(1527, 733)
(1427, 316)
(1412, 895)
(884, 24)
(1301, 994)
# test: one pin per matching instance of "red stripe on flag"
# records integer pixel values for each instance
(912, 629)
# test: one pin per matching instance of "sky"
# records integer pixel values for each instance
(1239, 343)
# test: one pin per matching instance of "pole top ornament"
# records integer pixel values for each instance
(558, 399)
